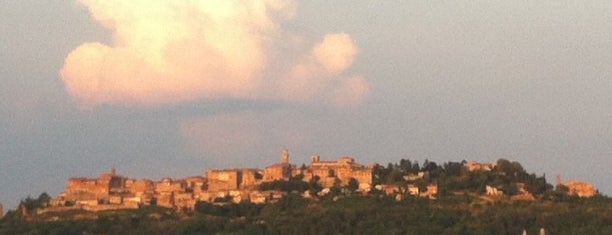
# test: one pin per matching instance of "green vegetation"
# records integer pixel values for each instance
(293, 184)
(460, 208)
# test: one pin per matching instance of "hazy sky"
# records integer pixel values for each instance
(172, 88)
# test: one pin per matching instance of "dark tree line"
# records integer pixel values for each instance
(348, 215)
(454, 177)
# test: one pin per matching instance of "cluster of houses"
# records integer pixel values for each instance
(111, 191)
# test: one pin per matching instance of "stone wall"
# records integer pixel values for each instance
(249, 178)
(222, 180)
(184, 200)
(79, 189)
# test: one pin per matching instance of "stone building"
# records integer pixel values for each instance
(280, 171)
(184, 200)
(222, 179)
(477, 166)
(432, 191)
(249, 178)
(98, 189)
(494, 191)
(81, 189)
(142, 188)
(338, 172)
(577, 188)
(329, 173)
(232, 179)
(166, 189)
(580, 189)
(167, 185)
(196, 184)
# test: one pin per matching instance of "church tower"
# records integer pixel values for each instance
(285, 156)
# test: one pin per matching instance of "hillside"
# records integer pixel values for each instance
(469, 198)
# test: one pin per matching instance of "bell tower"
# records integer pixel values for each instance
(285, 156)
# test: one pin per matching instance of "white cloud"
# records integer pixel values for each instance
(167, 52)
(321, 76)
(336, 53)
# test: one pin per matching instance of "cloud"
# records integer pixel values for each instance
(336, 53)
(321, 76)
(167, 52)
(240, 134)
(351, 91)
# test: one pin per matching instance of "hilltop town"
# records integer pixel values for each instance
(112, 191)
(339, 196)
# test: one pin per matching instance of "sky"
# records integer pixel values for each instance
(172, 88)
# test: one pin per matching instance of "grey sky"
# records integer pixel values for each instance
(476, 80)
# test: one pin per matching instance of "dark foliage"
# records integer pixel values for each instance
(294, 184)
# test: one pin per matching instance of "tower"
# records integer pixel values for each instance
(1, 211)
(285, 156)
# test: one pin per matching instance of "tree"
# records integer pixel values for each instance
(380, 174)
(406, 166)
(395, 176)
(353, 184)
(453, 168)
(293, 184)
(30, 205)
(43, 199)
(514, 170)
(314, 185)
(429, 166)
(536, 185)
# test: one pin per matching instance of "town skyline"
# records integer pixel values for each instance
(490, 195)
(114, 191)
